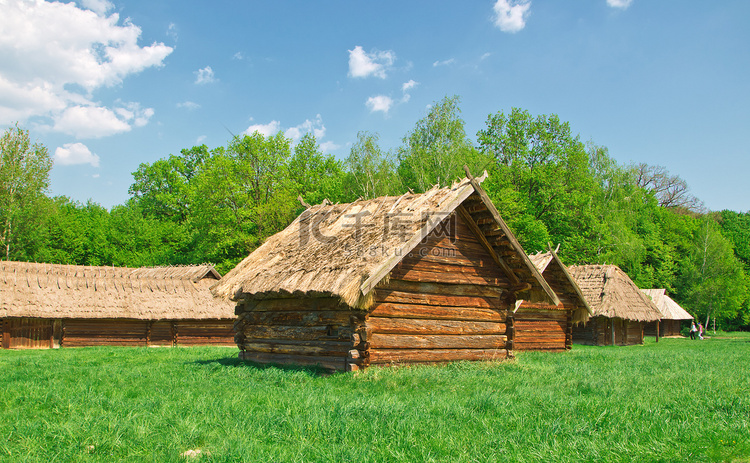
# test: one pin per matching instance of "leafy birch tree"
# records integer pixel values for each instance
(24, 180)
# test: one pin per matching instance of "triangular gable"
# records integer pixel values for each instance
(473, 188)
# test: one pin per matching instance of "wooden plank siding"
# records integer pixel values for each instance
(25, 333)
(599, 330)
(666, 328)
(445, 301)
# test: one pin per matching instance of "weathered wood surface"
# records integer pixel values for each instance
(299, 333)
(385, 356)
(437, 289)
(27, 333)
(405, 341)
(317, 348)
(428, 326)
(295, 304)
(300, 318)
(416, 311)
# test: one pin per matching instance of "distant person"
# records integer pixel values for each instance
(700, 330)
(693, 330)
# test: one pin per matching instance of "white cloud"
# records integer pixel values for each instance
(75, 153)
(362, 64)
(328, 146)
(272, 128)
(485, 56)
(99, 7)
(172, 31)
(98, 121)
(406, 86)
(190, 105)
(622, 4)
(511, 14)
(238, 56)
(446, 62)
(54, 55)
(200, 140)
(379, 103)
(315, 127)
(204, 76)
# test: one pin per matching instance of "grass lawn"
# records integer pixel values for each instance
(676, 400)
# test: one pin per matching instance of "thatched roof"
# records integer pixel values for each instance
(548, 263)
(670, 310)
(75, 291)
(612, 294)
(345, 250)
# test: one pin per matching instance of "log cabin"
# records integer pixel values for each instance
(672, 315)
(417, 278)
(51, 305)
(541, 326)
(619, 308)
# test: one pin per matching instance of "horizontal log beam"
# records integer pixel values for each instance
(301, 333)
(301, 318)
(403, 341)
(427, 327)
(396, 284)
(388, 310)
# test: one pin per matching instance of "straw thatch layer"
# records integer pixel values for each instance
(345, 250)
(670, 310)
(74, 291)
(611, 293)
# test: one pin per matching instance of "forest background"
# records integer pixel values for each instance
(218, 204)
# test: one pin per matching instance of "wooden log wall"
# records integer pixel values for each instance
(666, 328)
(594, 332)
(445, 301)
(26, 333)
(598, 331)
(314, 331)
(540, 329)
(104, 332)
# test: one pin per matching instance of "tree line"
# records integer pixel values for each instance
(218, 204)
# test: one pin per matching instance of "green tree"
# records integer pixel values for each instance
(242, 196)
(540, 179)
(163, 189)
(712, 283)
(435, 152)
(316, 176)
(24, 180)
(372, 172)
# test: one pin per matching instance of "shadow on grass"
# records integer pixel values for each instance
(237, 363)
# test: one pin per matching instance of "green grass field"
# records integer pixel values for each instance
(676, 400)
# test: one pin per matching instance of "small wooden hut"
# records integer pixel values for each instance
(619, 309)
(50, 305)
(672, 314)
(542, 326)
(417, 278)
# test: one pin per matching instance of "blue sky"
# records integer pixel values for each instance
(109, 85)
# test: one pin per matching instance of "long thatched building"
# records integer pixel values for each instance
(672, 315)
(619, 309)
(416, 278)
(543, 326)
(49, 305)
